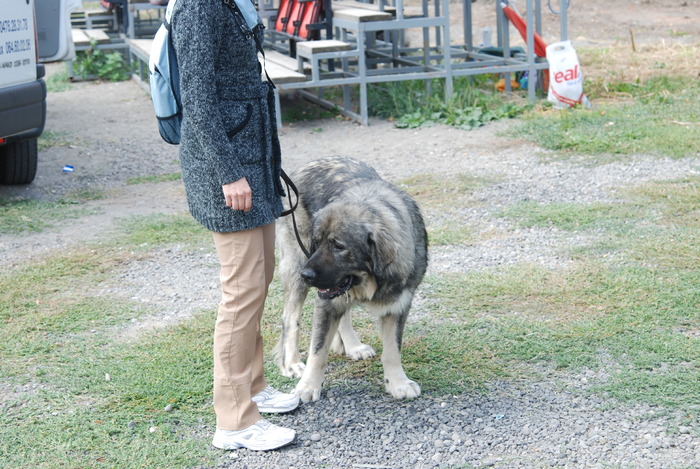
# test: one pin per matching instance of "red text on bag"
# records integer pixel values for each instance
(567, 75)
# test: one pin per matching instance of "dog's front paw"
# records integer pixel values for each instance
(406, 389)
(307, 392)
(293, 370)
(361, 352)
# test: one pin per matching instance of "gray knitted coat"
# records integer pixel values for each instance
(228, 129)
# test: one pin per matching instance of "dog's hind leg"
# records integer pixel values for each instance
(395, 380)
(325, 325)
(295, 291)
(287, 349)
(346, 341)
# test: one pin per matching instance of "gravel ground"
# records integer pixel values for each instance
(527, 425)
(548, 420)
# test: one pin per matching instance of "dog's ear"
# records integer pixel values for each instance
(383, 250)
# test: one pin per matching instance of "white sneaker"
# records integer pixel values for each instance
(261, 436)
(271, 401)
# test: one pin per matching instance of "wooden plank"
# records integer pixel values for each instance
(141, 47)
(361, 15)
(79, 37)
(280, 74)
(97, 35)
(281, 59)
(326, 45)
(89, 13)
(284, 60)
(345, 4)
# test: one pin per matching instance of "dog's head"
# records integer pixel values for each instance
(348, 250)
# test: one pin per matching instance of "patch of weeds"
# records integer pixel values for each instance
(671, 237)
(660, 119)
(154, 179)
(24, 215)
(413, 104)
(95, 63)
(158, 230)
(441, 197)
(57, 82)
(50, 138)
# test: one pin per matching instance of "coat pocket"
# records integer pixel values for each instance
(237, 127)
(244, 130)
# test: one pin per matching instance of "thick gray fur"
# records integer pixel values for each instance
(364, 233)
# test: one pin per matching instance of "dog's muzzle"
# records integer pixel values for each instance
(310, 277)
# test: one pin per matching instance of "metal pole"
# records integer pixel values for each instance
(563, 19)
(447, 56)
(531, 72)
(467, 26)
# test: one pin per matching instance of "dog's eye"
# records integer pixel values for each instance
(337, 247)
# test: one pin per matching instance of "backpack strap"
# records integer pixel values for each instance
(256, 32)
(169, 14)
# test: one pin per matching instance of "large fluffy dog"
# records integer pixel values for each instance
(368, 246)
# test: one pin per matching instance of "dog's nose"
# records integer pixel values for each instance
(309, 275)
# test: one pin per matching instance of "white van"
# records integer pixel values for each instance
(30, 30)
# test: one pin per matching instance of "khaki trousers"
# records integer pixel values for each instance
(247, 261)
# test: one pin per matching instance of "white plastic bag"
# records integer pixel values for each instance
(565, 77)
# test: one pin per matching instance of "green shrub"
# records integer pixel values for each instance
(95, 63)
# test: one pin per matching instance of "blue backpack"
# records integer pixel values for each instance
(164, 78)
(164, 75)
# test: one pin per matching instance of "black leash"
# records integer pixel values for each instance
(255, 34)
(292, 207)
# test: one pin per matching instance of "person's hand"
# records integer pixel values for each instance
(238, 195)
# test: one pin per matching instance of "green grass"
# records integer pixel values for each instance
(566, 216)
(154, 179)
(149, 231)
(661, 120)
(24, 215)
(79, 419)
(60, 339)
(301, 110)
(589, 316)
(443, 235)
(442, 198)
(627, 304)
(441, 193)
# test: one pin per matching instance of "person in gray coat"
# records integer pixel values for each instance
(231, 164)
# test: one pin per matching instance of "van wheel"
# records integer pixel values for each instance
(18, 162)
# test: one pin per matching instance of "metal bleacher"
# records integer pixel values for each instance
(353, 44)
(369, 45)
